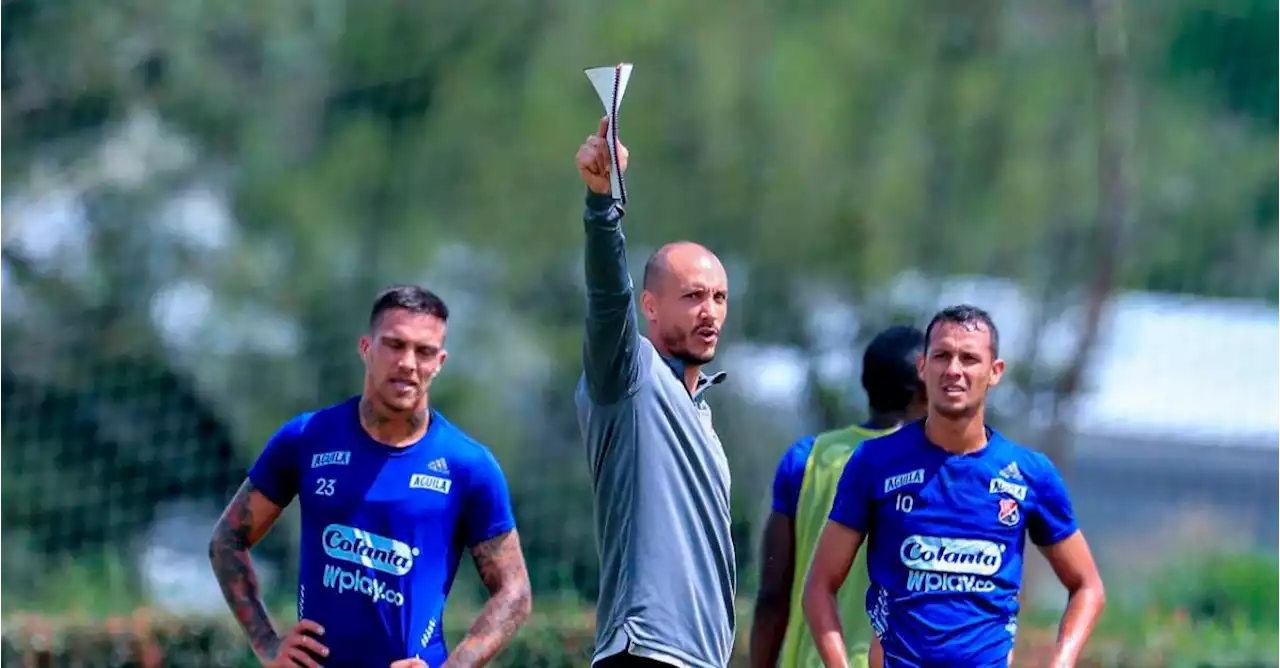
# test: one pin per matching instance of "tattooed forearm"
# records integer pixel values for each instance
(233, 535)
(502, 569)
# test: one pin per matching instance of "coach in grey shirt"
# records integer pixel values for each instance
(660, 477)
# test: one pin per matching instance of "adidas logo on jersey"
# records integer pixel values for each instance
(439, 466)
(1011, 472)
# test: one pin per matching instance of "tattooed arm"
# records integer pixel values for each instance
(244, 522)
(500, 563)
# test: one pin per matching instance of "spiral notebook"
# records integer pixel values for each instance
(611, 84)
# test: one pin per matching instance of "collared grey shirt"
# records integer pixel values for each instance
(659, 476)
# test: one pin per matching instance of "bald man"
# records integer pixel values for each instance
(660, 477)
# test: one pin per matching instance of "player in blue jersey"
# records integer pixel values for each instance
(391, 494)
(945, 506)
(804, 487)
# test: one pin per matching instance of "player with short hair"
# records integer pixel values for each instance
(945, 507)
(392, 494)
(659, 473)
(804, 487)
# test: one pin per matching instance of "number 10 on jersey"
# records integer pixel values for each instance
(904, 503)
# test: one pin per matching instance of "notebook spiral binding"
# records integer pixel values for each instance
(613, 130)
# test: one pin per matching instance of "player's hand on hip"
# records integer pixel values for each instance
(410, 663)
(595, 161)
(299, 647)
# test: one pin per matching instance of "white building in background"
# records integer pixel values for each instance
(1167, 366)
(1177, 434)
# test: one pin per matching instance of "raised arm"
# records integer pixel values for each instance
(500, 563)
(609, 356)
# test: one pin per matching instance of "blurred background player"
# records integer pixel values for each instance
(945, 506)
(803, 490)
(659, 474)
(391, 495)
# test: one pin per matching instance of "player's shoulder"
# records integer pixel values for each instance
(794, 460)
(320, 424)
(799, 451)
(893, 445)
(1019, 462)
(852, 436)
(459, 445)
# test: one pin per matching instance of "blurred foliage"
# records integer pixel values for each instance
(1207, 611)
(1223, 588)
(200, 200)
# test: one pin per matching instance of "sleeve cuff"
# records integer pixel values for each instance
(1057, 537)
(493, 531)
(849, 523)
(600, 207)
(270, 490)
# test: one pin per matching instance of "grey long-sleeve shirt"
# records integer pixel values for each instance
(659, 473)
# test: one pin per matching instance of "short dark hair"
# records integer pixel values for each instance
(968, 315)
(889, 373)
(412, 298)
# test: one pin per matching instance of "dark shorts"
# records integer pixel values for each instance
(628, 660)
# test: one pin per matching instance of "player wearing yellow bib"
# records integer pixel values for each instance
(803, 490)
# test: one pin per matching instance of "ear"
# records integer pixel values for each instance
(444, 355)
(920, 367)
(366, 344)
(997, 372)
(649, 304)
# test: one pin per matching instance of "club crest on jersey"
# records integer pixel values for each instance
(1009, 514)
(915, 477)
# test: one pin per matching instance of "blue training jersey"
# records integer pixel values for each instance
(383, 528)
(788, 478)
(945, 536)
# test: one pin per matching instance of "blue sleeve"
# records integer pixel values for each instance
(1053, 518)
(789, 477)
(855, 493)
(276, 473)
(488, 502)
(610, 352)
